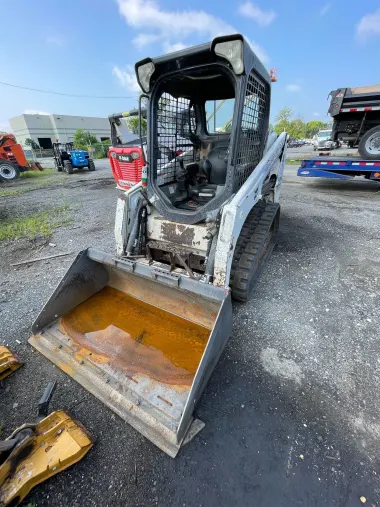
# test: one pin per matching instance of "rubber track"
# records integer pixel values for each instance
(253, 234)
(246, 232)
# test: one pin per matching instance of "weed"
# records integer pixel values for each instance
(36, 174)
(42, 223)
(293, 162)
(42, 180)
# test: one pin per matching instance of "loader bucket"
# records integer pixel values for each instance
(35, 166)
(141, 339)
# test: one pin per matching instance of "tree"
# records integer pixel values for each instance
(283, 120)
(313, 127)
(83, 139)
(133, 125)
(285, 115)
(32, 143)
(296, 129)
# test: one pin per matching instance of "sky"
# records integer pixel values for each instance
(89, 47)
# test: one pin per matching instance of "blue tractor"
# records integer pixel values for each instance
(67, 158)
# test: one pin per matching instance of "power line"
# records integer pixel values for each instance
(66, 94)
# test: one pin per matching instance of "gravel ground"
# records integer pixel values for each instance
(292, 409)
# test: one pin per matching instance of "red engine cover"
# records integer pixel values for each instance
(125, 168)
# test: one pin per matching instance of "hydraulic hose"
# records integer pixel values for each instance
(135, 228)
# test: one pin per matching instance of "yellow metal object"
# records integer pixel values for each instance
(8, 362)
(54, 444)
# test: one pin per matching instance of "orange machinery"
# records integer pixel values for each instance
(12, 158)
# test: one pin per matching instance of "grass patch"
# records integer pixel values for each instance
(12, 192)
(38, 179)
(294, 162)
(40, 182)
(42, 224)
(36, 174)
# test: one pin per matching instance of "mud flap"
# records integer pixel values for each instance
(8, 362)
(45, 449)
(142, 340)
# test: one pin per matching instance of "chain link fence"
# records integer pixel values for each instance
(96, 151)
(99, 150)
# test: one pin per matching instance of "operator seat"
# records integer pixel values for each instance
(215, 164)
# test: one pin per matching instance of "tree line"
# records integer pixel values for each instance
(296, 127)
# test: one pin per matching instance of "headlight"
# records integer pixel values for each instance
(135, 155)
(113, 154)
(144, 73)
(233, 52)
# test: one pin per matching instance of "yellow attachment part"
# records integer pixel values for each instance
(56, 443)
(8, 362)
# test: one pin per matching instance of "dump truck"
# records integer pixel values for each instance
(143, 329)
(13, 160)
(356, 114)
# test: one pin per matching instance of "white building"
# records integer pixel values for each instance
(46, 129)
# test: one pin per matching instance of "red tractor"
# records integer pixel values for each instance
(127, 158)
(12, 159)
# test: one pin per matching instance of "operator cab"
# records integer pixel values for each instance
(184, 90)
(186, 122)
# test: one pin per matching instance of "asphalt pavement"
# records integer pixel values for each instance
(292, 409)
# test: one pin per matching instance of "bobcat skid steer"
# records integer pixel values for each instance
(143, 329)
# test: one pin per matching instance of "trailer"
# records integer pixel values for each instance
(339, 168)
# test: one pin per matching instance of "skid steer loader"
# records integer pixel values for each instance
(143, 329)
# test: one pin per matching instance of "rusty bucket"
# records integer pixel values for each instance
(138, 340)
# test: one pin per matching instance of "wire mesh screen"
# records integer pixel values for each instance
(253, 129)
(175, 123)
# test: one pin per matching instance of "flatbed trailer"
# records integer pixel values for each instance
(340, 168)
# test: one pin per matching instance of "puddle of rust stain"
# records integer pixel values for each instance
(136, 337)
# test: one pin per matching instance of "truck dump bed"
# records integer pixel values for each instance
(352, 100)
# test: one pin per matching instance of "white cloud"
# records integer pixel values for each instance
(144, 39)
(369, 26)
(55, 40)
(258, 50)
(171, 48)
(126, 78)
(166, 27)
(293, 88)
(316, 114)
(146, 14)
(34, 111)
(325, 9)
(253, 11)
